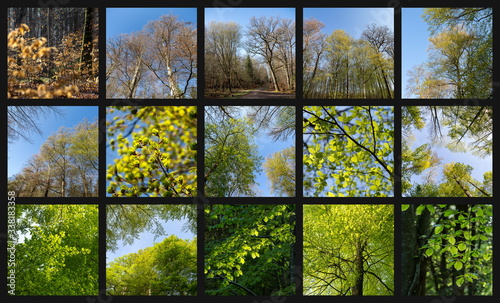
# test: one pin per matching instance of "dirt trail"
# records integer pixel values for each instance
(263, 93)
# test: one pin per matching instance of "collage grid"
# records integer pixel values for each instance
(299, 201)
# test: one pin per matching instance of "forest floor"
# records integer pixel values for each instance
(85, 91)
(265, 93)
(257, 93)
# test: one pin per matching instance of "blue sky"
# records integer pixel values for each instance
(415, 41)
(20, 151)
(266, 147)
(147, 239)
(242, 16)
(480, 165)
(127, 20)
(351, 20)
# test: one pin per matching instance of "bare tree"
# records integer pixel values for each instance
(263, 40)
(223, 40)
(22, 120)
(158, 61)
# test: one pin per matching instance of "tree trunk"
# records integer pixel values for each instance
(63, 187)
(414, 263)
(357, 289)
(135, 80)
(174, 91)
(21, 12)
(409, 249)
(273, 75)
(87, 46)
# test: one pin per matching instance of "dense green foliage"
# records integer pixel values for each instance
(57, 253)
(250, 250)
(464, 129)
(460, 63)
(167, 268)
(231, 159)
(447, 249)
(348, 250)
(348, 151)
(159, 160)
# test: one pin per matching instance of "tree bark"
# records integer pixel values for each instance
(357, 289)
(87, 46)
(409, 249)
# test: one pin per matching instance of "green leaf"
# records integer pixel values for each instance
(404, 207)
(460, 281)
(420, 209)
(449, 212)
(451, 239)
(431, 208)
(458, 265)
(453, 250)
(438, 229)
(462, 246)
(429, 252)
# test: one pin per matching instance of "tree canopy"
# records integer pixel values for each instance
(233, 159)
(155, 149)
(269, 44)
(66, 166)
(460, 62)
(250, 250)
(338, 66)
(348, 151)
(168, 268)
(349, 250)
(159, 61)
(57, 253)
(463, 129)
(126, 221)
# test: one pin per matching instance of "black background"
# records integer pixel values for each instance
(102, 102)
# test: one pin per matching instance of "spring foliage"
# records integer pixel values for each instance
(461, 129)
(66, 166)
(348, 250)
(448, 249)
(156, 151)
(460, 61)
(340, 66)
(348, 151)
(249, 249)
(59, 253)
(166, 269)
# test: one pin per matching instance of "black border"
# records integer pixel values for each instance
(298, 102)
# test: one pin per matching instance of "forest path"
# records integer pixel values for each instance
(264, 93)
